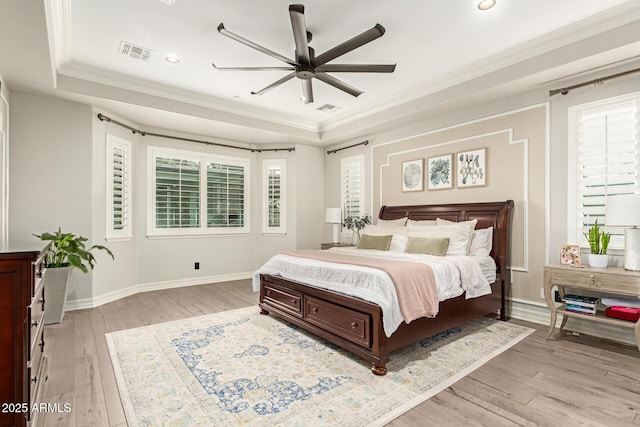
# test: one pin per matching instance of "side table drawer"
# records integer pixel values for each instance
(597, 281)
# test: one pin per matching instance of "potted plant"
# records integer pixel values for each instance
(64, 251)
(598, 243)
(356, 223)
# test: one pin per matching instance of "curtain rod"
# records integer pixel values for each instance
(348, 146)
(103, 118)
(595, 82)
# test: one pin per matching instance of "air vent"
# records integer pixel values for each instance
(135, 52)
(328, 108)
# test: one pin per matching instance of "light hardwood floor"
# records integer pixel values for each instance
(564, 382)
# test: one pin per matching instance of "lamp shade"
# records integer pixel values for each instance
(623, 210)
(333, 216)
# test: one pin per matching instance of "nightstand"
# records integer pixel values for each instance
(335, 245)
(611, 280)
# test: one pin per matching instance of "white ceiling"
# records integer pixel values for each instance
(444, 51)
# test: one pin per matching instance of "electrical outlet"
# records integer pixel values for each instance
(196, 266)
(542, 293)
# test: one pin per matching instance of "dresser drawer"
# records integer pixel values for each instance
(349, 324)
(34, 367)
(285, 300)
(35, 319)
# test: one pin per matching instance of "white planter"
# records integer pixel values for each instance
(355, 238)
(598, 260)
(56, 282)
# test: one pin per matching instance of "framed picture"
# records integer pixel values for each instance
(440, 172)
(412, 173)
(570, 255)
(472, 171)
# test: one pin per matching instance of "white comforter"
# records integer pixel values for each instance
(454, 276)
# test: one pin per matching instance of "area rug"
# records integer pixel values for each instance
(242, 368)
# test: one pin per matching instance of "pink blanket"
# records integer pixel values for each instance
(415, 282)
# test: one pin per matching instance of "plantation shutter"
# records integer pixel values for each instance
(273, 196)
(177, 189)
(119, 190)
(608, 161)
(225, 195)
(352, 186)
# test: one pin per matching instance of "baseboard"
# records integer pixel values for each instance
(535, 312)
(99, 300)
(530, 311)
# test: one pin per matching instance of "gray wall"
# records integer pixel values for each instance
(50, 160)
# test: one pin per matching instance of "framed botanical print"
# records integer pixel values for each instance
(440, 172)
(472, 169)
(412, 173)
(570, 255)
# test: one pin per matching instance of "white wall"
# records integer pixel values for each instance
(309, 202)
(50, 160)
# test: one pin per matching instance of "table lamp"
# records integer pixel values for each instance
(334, 216)
(624, 211)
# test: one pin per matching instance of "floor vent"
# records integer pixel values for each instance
(135, 52)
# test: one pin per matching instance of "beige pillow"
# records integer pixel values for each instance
(380, 243)
(427, 245)
(399, 232)
(459, 237)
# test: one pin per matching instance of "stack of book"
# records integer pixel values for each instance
(580, 304)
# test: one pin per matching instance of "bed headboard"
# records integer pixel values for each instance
(490, 214)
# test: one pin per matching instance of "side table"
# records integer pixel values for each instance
(612, 280)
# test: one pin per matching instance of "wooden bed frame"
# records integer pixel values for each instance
(356, 325)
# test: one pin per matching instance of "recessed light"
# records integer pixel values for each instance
(486, 4)
(172, 59)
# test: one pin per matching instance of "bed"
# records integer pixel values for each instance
(357, 325)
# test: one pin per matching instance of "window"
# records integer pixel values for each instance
(274, 197)
(352, 185)
(604, 139)
(195, 193)
(118, 188)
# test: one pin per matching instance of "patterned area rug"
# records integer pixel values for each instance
(242, 368)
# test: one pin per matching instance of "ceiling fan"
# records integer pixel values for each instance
(308, 66)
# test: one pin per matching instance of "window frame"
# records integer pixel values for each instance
(204, 159)
(575, 223)
(282, 165)
(114, 142)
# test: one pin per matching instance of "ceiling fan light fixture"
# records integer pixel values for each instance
(172, 60)
(486, 4)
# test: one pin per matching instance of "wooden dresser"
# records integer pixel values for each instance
(22, 362)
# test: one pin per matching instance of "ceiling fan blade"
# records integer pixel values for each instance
(338, 84)
(351, 44)
(274, 84)
(307, 91)
(252, 68)
(356, 68)
(253, 45)
(296, 13)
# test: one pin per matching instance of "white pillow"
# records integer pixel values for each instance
(399, 232)
(481, 242)
(412, 223)
(459, 237)
(392, 222)
(471, 223)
